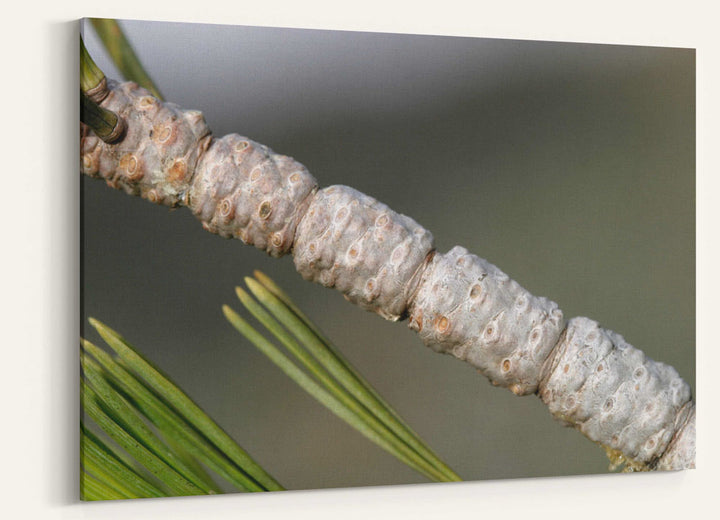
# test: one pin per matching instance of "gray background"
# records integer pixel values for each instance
(570, 166)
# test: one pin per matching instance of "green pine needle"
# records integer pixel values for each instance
(160, 443)
(122, 53)
(166, 445)
(125, 415)
(113, 427)
(314, 389)
(162, 385)
(93, 489)
(97, 456)
(330, 378)
(176, 430)
(271, 286)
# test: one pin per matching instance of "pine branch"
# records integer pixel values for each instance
(460, 304)
(385, 262)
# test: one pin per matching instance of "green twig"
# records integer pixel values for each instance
(105, 123)
(93, 89)
(92, 79)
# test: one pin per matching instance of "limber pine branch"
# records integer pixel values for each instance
(640, 410)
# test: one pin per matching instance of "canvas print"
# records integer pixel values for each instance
(283, 228)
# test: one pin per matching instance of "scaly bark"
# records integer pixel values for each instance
(460, 304)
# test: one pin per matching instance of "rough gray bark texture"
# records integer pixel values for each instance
(470, 309)
(361, 247)
(614, 394)
(244, 190)
(460, 304)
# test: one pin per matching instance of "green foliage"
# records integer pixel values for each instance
(158, 442)
(152, 440)
(122, 53)
(320, 369)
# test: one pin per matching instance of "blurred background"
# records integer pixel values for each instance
(569, 166)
